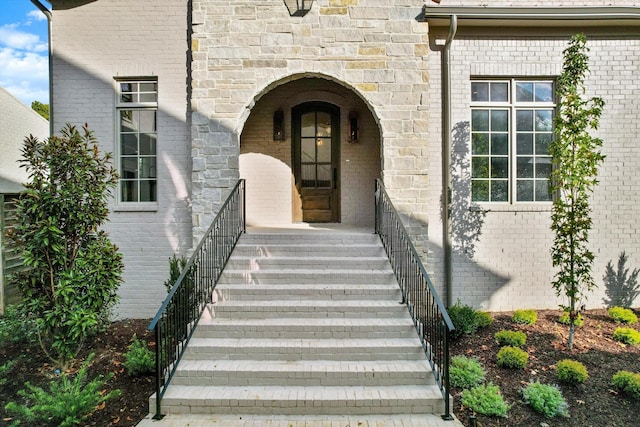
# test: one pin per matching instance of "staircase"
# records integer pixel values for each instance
(306, 324)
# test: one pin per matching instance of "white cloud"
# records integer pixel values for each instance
(11, 37)
(25, 74)
(36, 15)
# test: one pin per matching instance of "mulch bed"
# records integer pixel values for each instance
(595, 403)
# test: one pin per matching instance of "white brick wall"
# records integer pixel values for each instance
(511, 266)
(93, 43)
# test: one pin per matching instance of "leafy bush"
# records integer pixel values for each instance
(628, 382)
(139, 360)
(67, 403)
(511, 338)
(571, 371)
(73, 270)
(5, 369)
(565, 320)
(484, 318)
(15, 327)
(486, 400)
(464, 319)
(512, 357)
(546, 399)
(467, 320)
(465, 372)
(525, 317)
(623, 315)
(627, 335)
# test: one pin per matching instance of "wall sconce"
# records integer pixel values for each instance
(278, 125)
(298, 7)
(353, 126)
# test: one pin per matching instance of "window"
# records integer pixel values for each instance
(136, 106)
(511, 128)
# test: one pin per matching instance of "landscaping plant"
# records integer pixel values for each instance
(565, 319)
(511, 338)
(623, 315)
(512, 357)
(465, 372)
(15, 327)
(525, 317)
(139, 360)
(571, 372)
(67, 402)
(628, 382)
(546, 399)
(576, 157)
(72, 269)
(627, 335)
(485, 399)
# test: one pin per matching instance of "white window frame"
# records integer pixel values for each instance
(512, 106)
(136, 105)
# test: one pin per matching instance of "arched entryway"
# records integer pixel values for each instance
(322, 168)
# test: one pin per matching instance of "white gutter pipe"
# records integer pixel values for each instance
(49, 16)
(446, 159)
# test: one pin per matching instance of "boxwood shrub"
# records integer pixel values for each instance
(571, 372)
(512, 357)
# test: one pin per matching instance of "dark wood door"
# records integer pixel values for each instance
(316, 152)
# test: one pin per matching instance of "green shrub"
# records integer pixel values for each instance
(5, 370)
(511, 338)
(571, 372)
(67, 403)
(512, 357)
(627, 335)
(486, 400)
(565, 320)
(464, 319)
(16, 328)
(628, 382)
(546, 399)
(525, 317)
(139, 360)
(484, 318)
(623, 315)
(465, 372)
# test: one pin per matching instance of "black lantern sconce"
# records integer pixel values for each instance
(278, 125)
(298, 7)
(353, 126)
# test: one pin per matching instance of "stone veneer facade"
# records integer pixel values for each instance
(224, 67)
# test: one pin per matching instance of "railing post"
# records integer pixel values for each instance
(445, 377)
(158, 415)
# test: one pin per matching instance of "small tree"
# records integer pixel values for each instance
(40, 108)
(576, 158)
(73, 269)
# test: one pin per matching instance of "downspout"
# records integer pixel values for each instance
(49, 16)
(446, 160)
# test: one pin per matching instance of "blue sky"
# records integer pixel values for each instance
(24, 63)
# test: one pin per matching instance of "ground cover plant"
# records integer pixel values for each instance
(595, 403)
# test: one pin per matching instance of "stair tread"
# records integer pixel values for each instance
(310, 303)
(305, 321)
(306, 342)
(253, 365)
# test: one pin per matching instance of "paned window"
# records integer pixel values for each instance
(137, 107)
(511, 128)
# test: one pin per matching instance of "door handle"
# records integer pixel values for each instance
(335, 178)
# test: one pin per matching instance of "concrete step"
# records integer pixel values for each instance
(299, 400)
(323, 250)
(335, 263)
(290, 238)
(305, 308)
(308, 373)
(314, 328)
(304, 349)
(260, 292)
(304, 276)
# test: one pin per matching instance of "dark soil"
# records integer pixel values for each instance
(595, 403)
(109, 348)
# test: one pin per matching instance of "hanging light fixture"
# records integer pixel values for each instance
(298, 7)
(278, 125)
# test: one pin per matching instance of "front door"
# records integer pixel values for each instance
(316, 149)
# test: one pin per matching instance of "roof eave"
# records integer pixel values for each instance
(533, 16)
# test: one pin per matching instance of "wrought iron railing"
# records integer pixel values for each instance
(176, 319)
(429, 314)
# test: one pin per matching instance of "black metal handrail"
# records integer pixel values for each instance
(176, 319)
(430, 316)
